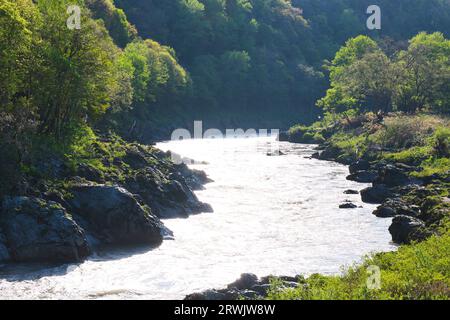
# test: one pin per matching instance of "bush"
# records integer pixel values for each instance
(418, 271)
(442, 142)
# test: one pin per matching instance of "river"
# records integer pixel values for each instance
(272, 215)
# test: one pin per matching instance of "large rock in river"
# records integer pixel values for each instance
(36, 230)
(116, 216)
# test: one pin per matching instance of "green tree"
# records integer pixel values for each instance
(343, 95)
(369, 81)
(425, 68)
(74, 80)
(18, 22)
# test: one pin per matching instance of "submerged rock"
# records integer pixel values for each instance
(348, 205)
(351, 192)
(37, 230)
(116, 215)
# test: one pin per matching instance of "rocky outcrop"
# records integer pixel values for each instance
(168, 198)
(376, 194)
(164, 186)
(406, 229)
(396, 206)
(359, 165)
(248, 286)
(37, 230)
(115, 215)
(363, 176)
(395, 175)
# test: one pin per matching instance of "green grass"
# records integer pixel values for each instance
(418, 271)
(434, 166)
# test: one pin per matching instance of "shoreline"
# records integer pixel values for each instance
(397, 194)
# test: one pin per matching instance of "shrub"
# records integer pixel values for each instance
(442, 142)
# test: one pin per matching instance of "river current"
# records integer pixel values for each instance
(272, 215)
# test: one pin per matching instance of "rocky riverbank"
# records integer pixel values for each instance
(417, 202)
(64, 215)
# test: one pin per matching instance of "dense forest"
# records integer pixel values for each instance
(260, 63)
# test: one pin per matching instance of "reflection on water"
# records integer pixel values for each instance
(273, 215)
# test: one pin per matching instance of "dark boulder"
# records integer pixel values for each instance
(214, 295)
(363, 176)
(348, 205)
(406, 229)
(167, 196)
(261, 289)
(351, 192)
(116, 216)
(393, 207)
(376, 194)
(385, 211)
(246, 281)
(394, 175)
(315, 155)
(360, 165)
(329, 153)
(37, 230)
(195, 179)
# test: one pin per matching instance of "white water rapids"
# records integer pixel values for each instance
(273, 215)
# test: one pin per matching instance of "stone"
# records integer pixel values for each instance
(41, 231)
(406, 229)
(376, 194)
(116, 216)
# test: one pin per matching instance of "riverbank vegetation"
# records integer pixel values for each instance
(390, 115)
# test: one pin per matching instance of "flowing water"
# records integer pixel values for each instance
(273, 215)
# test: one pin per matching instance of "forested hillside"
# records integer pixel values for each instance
(259, 62)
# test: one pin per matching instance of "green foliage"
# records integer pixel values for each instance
(18, 21)
(244, 56)
(418, 271)
(75, 74)
(115, 21)
(442, 142)
(364, 78)
(412, 155)
(424, 74)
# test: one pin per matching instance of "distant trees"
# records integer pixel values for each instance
(363, 78)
